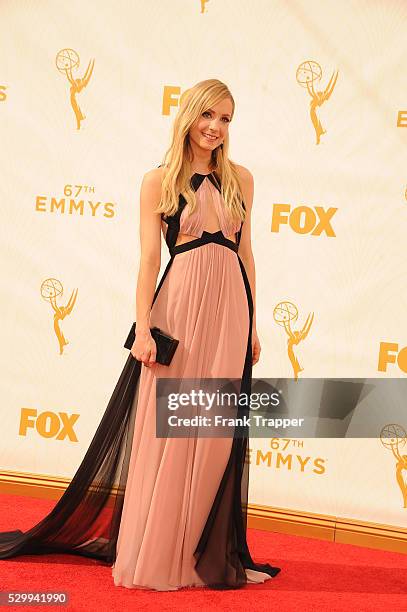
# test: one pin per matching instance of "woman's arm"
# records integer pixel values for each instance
(150, 245)
(245, 248)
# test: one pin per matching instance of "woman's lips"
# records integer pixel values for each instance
(210, 137)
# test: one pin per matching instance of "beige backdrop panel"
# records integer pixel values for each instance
(145, 54)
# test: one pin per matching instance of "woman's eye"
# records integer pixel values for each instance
(208, 113)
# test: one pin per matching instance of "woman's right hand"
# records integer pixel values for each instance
(144, 348)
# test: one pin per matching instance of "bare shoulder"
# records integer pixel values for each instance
(151, 185)
(154, 177)
(246, 185)
(245, 175)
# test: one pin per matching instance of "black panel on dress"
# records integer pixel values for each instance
(173, 221)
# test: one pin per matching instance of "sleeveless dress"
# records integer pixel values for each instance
(166, 513)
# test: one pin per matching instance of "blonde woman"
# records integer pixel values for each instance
(170, 512)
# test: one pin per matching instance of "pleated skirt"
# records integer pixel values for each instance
(172, 482)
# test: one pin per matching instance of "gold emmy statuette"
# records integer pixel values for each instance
(394, 437)
(286, 313)
(308, 73)
(51, 289)
(67, 60)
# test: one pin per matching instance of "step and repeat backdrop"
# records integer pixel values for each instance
(88, 94)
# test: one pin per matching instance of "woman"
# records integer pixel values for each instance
(171, 512)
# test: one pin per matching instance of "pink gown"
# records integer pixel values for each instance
(166, 513)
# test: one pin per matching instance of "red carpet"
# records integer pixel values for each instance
(315, 575)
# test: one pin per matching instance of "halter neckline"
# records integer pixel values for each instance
(199, 174)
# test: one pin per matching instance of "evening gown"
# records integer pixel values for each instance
(166, 513)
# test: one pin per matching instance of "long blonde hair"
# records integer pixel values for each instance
(177, 159)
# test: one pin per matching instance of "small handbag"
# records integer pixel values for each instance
(166, 345)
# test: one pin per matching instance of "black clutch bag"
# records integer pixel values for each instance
(166, 345)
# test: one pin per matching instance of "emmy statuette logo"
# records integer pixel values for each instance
(308, 74)
(394, 437)
(51, 289)
(67, 60)
(285, 314)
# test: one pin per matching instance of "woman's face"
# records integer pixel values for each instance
(212, 122)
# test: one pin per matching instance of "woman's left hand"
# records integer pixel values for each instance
(256, 348)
